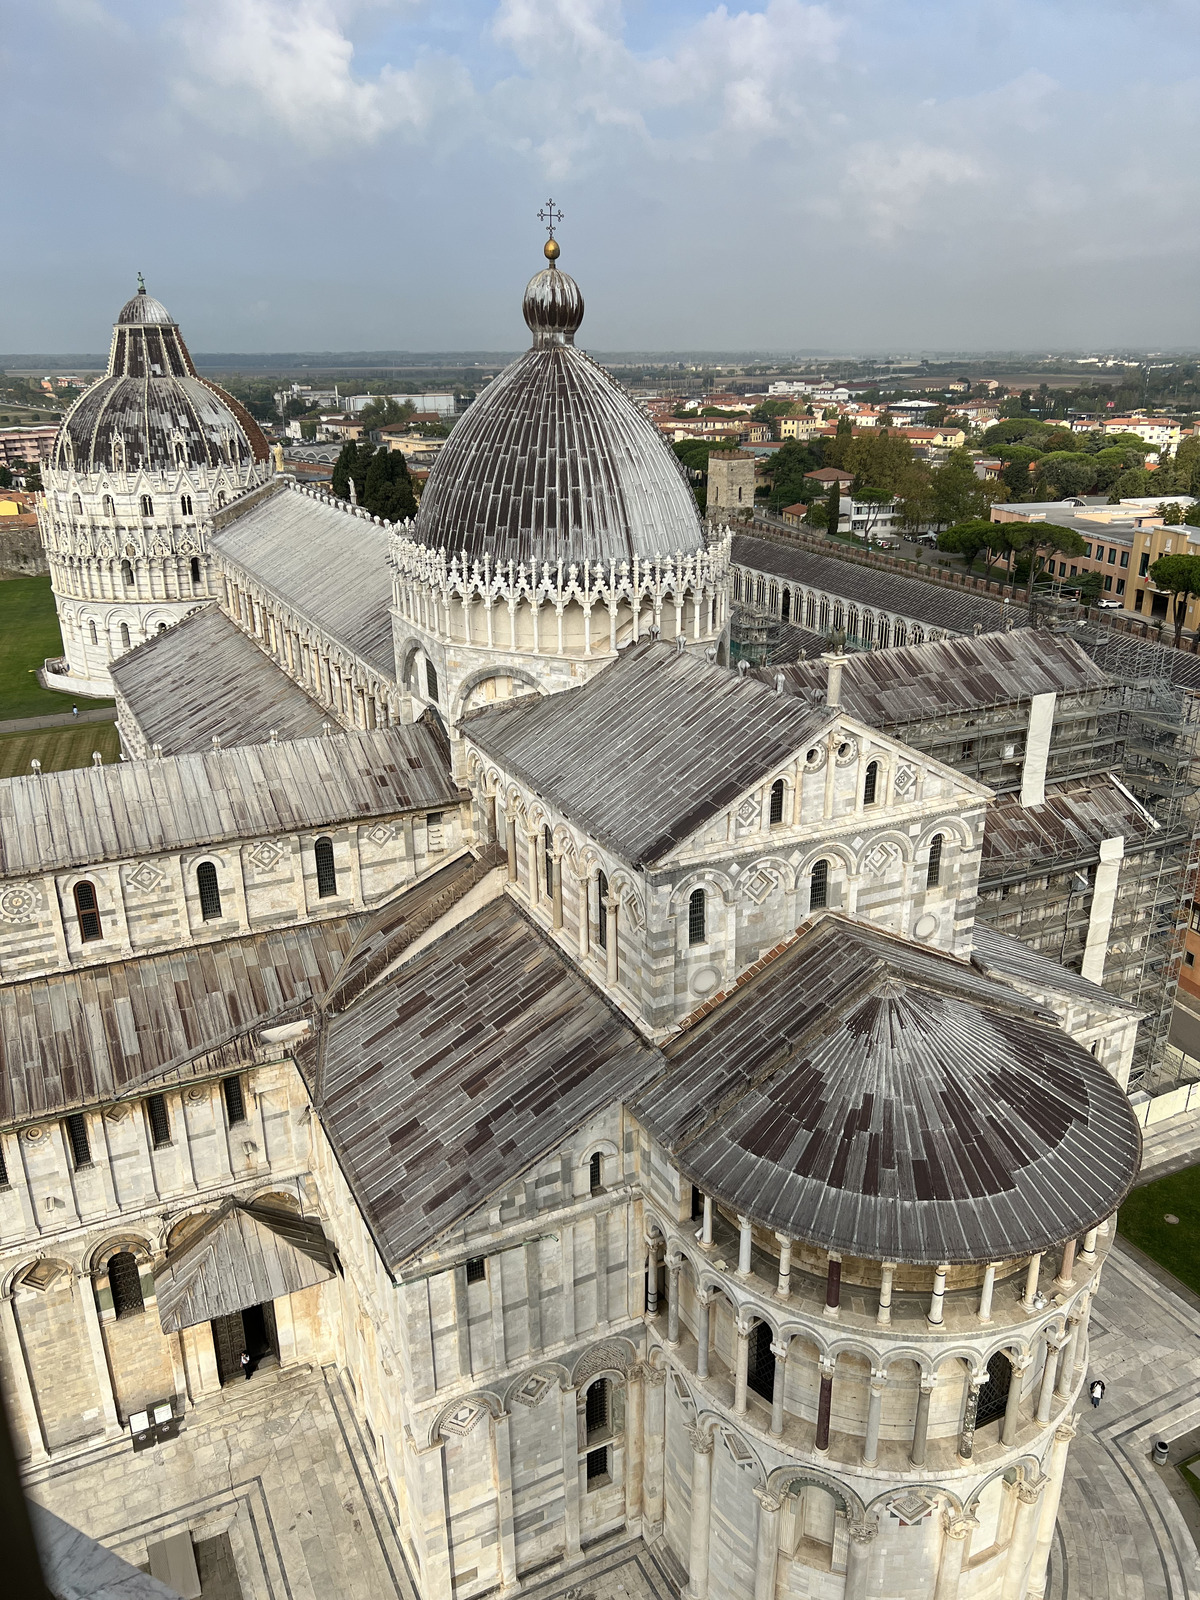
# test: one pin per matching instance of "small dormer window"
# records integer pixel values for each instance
(185, 504)
(147, 506)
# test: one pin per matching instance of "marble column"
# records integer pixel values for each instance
(1049, 1374)
(1066, 1365)
(673, 1266)
(635, 1427)
(1031, 1283)
(784, 1286)
(652, 1245)
(987, 1292)
(745, 1246)
(703, 1317)
(833, 1286)
(954, 1549)
(766, 1556)
(556, 898)
(1055, 1471)
(1066, 1271)
(502, 1467)
(611, 968)
(824, 1407)
(778, 1388)
(655, 1413)
(1012, 1407)
(741, 1366)
(966, 1432)
(95, 1339)
(434, 1542)
(937, 1299)
(26, 1416)
(510, 834)
(585, 914)
(1024, 1538)
(702, 1454)
(572, 1514)
(921, 1425)
(887, 1276)
(858, 1558)
(706, 1227)
(1088, 1253)
(870, 1453)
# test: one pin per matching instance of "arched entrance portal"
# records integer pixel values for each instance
(251, 1331)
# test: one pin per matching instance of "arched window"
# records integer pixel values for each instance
(787, 605)
(993, 1396)
(76, 505)
(598, 1408)
(933, 872)
(221, 497)
(127, 574)
(162, 627)
(871, 784)
(776, 812)
(696, 917)
(195, 569)
(326, 871)
(125, 1284)
(126, 642)
(818, 886)
(92, 634)
(431, 681)
(180, 453)
(596, 1172)
(548, 859)
(185, 505)
(87, 913)
(601, 911)
(106, 506)
(210, 894)
(147, 506)
(760, 1374)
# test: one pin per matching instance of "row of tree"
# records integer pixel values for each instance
(380, 477)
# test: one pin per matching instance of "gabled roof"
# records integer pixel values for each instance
(871, 1096)
(650, 749)
(934, 604)
(1001, 956)
(242, 1256)
(893, 688)
(87, 815)
(1067, 827)
(205, 677)
(329, 564)
(447, 1079)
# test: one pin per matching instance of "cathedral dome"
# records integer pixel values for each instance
(554, 461)
(152, 409)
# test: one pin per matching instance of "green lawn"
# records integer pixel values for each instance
(57, 748)
(28, 634)
(1174, 1245)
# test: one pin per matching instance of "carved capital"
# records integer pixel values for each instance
(1064, 1433)
(862, 1532)
(702, 1442)
(958, 1527)
(1030, 1493)
(654, 1375)
(779, 1351)
(767, 1500)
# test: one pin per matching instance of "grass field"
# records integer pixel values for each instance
(28, 634)
(57, 748)
(1174, 1245)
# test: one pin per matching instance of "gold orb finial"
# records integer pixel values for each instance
(551, 250)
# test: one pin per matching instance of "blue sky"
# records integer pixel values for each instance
(364, 174)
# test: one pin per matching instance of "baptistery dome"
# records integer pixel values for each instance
(151, 409)
(554, 461)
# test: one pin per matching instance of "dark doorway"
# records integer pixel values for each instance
(253, 1331)
(760, 1374)
(993, 1396)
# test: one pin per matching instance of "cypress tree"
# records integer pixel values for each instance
(833, 509)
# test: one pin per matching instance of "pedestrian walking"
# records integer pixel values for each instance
(74, 711)
(1097, 1392)
(246, 1364)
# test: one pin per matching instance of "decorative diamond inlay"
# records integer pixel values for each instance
(911, 1507)
(904, 780)
(145, 877)
(759, 885)
(380, 834)
(883, 856)
(534, 1390)
(265, 854)
(20, 902)
(464, 1419)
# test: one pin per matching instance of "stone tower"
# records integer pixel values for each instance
(730, 486)
(144, 460)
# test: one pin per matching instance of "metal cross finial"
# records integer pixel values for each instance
(141, 284)
(550, 217)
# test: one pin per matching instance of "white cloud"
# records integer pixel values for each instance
(284, 69)
(885, 186)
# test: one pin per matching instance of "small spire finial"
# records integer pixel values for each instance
(141, 284)
(551, 217)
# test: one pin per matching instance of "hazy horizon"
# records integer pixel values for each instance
(364, 175)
